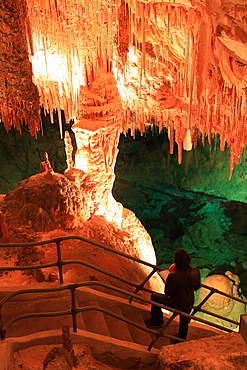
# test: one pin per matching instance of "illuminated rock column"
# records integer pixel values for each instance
(97, 135)
(95, 156)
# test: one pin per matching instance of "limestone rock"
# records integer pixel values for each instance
(58, 358)
(226, 351)
(218, 303)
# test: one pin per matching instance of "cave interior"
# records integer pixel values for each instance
(148, 98)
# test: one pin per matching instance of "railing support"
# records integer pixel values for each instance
(140, 286)
(2, 334)
(73, 306)
(160, 333)
(59, 261)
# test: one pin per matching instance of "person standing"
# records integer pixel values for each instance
(179, 293)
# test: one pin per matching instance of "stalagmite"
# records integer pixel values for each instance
(68, 150)
(97, 135)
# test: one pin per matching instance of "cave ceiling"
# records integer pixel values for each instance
(177, 64)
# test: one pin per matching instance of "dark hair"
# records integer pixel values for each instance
(182, 260)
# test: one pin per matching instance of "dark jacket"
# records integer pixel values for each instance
(180, 286)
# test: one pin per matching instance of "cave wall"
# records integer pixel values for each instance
(191, 205)
(21, 153)
(203, 169)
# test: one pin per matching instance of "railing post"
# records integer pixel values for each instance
(73, 308)
(198, 307)
(2, 331)
(159, 334)
(1, 325)
(59, 262)
(140, 286)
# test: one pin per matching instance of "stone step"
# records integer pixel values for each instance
(138, 335)
(94, 320)
(142, 337)
(117, 328)
(94, 323)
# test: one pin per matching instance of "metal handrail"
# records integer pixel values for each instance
(214, 290)
(60, 263)
(58, 240)
(74, 311)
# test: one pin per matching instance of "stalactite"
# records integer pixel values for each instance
(192, 79)
(19, 102)
(171, 136)
(168, 19)
(209, 122)
(186, 63)
(154, 43)
(143, 20)
(222, 132)
(203, 57)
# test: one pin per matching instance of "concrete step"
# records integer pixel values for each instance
(94, 320)
(117, 328)
(138, 335)
(94, 323)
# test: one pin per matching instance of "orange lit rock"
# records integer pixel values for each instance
(179, 64)
(224, 351)
(19, 100)
(45, 207)
(97, 135)
(83, 195)
(4, 232)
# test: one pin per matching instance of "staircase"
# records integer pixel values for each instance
(100, 330)
(103, 331)
(109, 326)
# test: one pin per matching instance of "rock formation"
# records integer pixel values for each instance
(180, 65)
(81, 199)
(226, 351)
(113, 67)
(219, 304)
(4, 232)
